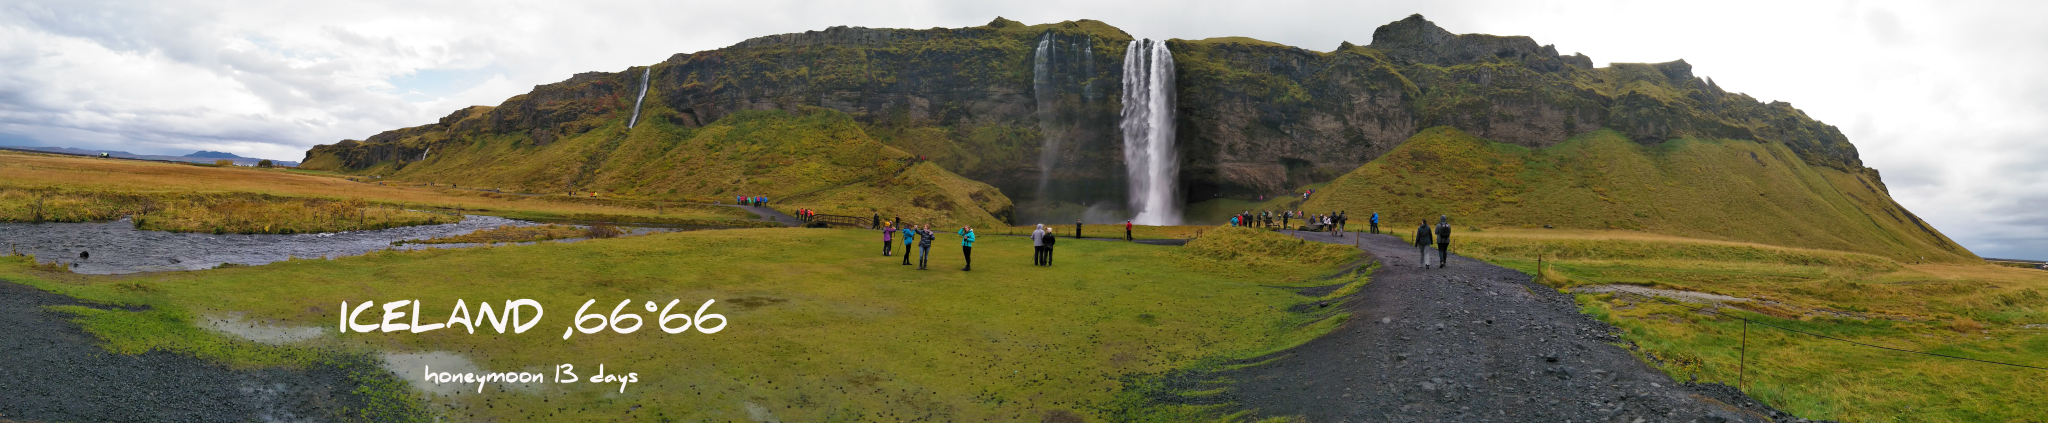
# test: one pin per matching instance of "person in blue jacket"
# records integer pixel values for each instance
(967, 247)
(1375, 223)
(909, 235)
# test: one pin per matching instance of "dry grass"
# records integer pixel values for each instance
(217, 213)
(36, 172)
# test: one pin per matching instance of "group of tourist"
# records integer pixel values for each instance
(749, 201)
(806, 215)
(922, 236)
(1041, 244)
(1331, 222)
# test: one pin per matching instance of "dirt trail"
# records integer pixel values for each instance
(1472, 342)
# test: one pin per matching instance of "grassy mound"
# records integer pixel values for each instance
(1236, 243)
(1710, 189)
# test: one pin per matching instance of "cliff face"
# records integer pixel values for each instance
(1255, 117)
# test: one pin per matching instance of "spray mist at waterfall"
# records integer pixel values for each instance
(643, 97)
(1148, 119)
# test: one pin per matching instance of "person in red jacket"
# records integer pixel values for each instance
(1127, 230)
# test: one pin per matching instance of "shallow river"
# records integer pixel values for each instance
(117, 247)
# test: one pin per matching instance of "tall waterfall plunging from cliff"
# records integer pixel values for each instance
(1149, 154)
(643, 97)
(1047, 94)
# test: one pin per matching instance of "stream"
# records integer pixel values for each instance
(116, 247)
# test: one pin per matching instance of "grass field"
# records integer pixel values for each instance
(1978, 311)
(1117, 231)
(249, 200)
(822, 327)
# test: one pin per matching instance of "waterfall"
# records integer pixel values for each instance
(643, 97)
(1148, 115)
(1043, 90)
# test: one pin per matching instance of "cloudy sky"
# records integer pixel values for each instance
(1946, 99)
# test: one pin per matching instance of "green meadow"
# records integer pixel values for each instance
(820, 326)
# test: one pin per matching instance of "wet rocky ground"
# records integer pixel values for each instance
(1472, 342)
(51, 370)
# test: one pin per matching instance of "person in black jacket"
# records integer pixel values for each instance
(1049, 238)
(1443, 240)
(924, 245)
(1422, 241)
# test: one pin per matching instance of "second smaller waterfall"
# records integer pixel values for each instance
(643, 97)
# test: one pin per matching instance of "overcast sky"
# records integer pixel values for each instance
(1946, 99)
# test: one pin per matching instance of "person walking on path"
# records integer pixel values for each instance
(967, 247)
(1077, 229)
(1286, 218)
(909, 235)
(887, 230)
(1422, 242)
(1375, 221)
(1127, 230)
(1038, 246)
(1443, 240)
(924, 245)
(1049, 239)
(878, 221)
(1343, 217)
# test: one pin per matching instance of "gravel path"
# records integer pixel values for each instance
(50, 370)
(1472, 342)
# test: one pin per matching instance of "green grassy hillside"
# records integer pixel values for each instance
(1712, 189)
(816, 158)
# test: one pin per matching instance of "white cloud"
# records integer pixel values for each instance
(1942, 97)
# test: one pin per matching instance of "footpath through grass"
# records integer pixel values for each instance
(821, 326)
(1979, 311)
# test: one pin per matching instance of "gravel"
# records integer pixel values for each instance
(1472, 342)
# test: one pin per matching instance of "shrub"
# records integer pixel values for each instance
(223, 162)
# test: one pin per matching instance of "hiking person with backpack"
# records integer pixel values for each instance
(1443, 240)
(1375, 221)
(1422, 242)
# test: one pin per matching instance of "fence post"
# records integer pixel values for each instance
(1742, 356)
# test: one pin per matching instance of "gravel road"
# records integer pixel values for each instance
(1472, 342)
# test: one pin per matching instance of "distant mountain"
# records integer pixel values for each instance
(203, 154)
(198, 157)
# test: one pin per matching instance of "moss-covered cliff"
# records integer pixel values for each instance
(1255, 118)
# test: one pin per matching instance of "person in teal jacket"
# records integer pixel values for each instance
(909, 235)
(967, 247)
